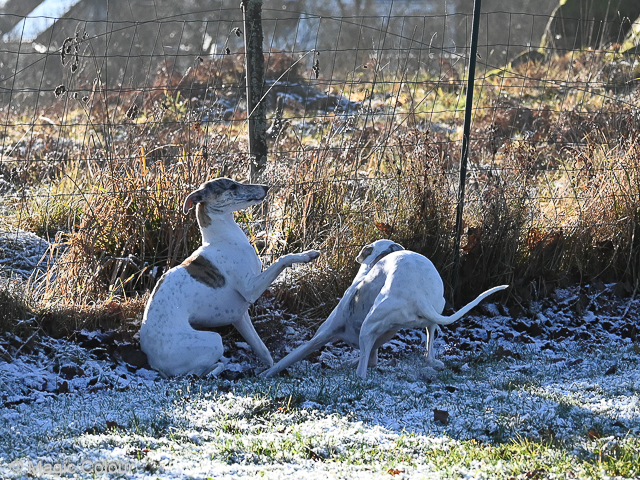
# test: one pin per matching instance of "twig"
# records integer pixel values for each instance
(633, 295)
(6, 356)
(25, 342)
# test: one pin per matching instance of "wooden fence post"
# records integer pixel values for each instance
(254, 69)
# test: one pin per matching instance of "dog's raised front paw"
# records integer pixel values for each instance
(311, 255)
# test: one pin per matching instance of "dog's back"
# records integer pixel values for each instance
(411, 277)
(407, 278)
(394, 289)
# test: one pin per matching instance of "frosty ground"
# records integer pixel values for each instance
(549, 392)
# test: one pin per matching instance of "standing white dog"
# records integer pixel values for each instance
(211, 288)
(393, 289)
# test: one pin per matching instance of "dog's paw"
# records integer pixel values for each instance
(311, 255)
(268, 373)
(220, 366)
(435, 364)
(428, 375)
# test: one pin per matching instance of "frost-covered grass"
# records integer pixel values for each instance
(512, 410)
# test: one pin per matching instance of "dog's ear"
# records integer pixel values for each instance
(364, 253)
(192, 199)
(396, 247)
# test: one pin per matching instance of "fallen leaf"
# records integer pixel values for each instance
(394, 471)
(139, 453)
(535, 474)
(71, 371)
(63, 387)
(473, 238)
(534, 237)
(441, 416)
(558, 360)
(502, 352)
(384, 227)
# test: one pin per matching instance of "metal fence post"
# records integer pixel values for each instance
(465, 139)
(254, 69)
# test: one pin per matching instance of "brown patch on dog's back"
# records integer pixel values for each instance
(204, 220)
(203, 271)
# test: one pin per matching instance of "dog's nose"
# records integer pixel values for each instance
(266, 188)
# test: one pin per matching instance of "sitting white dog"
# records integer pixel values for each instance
(393, 289)
(211, 288)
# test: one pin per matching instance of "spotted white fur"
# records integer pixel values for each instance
(214, 287)
(393, 289)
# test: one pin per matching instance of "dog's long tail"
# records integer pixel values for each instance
(435, 317)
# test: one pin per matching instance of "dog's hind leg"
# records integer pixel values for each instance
(373, 358)
(384, 338)
(375, 331)
(248, 332)
(431, 353)
(191, 352)
(203, 353)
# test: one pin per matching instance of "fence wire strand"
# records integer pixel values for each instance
(109, 124)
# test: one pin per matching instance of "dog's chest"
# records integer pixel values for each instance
(235, 261)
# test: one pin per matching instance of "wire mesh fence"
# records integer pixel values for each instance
(107, 124)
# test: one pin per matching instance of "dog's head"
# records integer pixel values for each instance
(223, 195)
(373, 253)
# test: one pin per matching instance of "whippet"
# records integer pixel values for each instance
(213, 287)
(394, 289)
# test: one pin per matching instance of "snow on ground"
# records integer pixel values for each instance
(22, 252)
(567, 369)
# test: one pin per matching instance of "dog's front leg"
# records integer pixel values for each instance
(330, 330)
(248, 332)
(298, 354)
(257, 285)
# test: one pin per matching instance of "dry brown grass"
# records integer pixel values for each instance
(131, 229)
(553, 193)
(15, 311)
